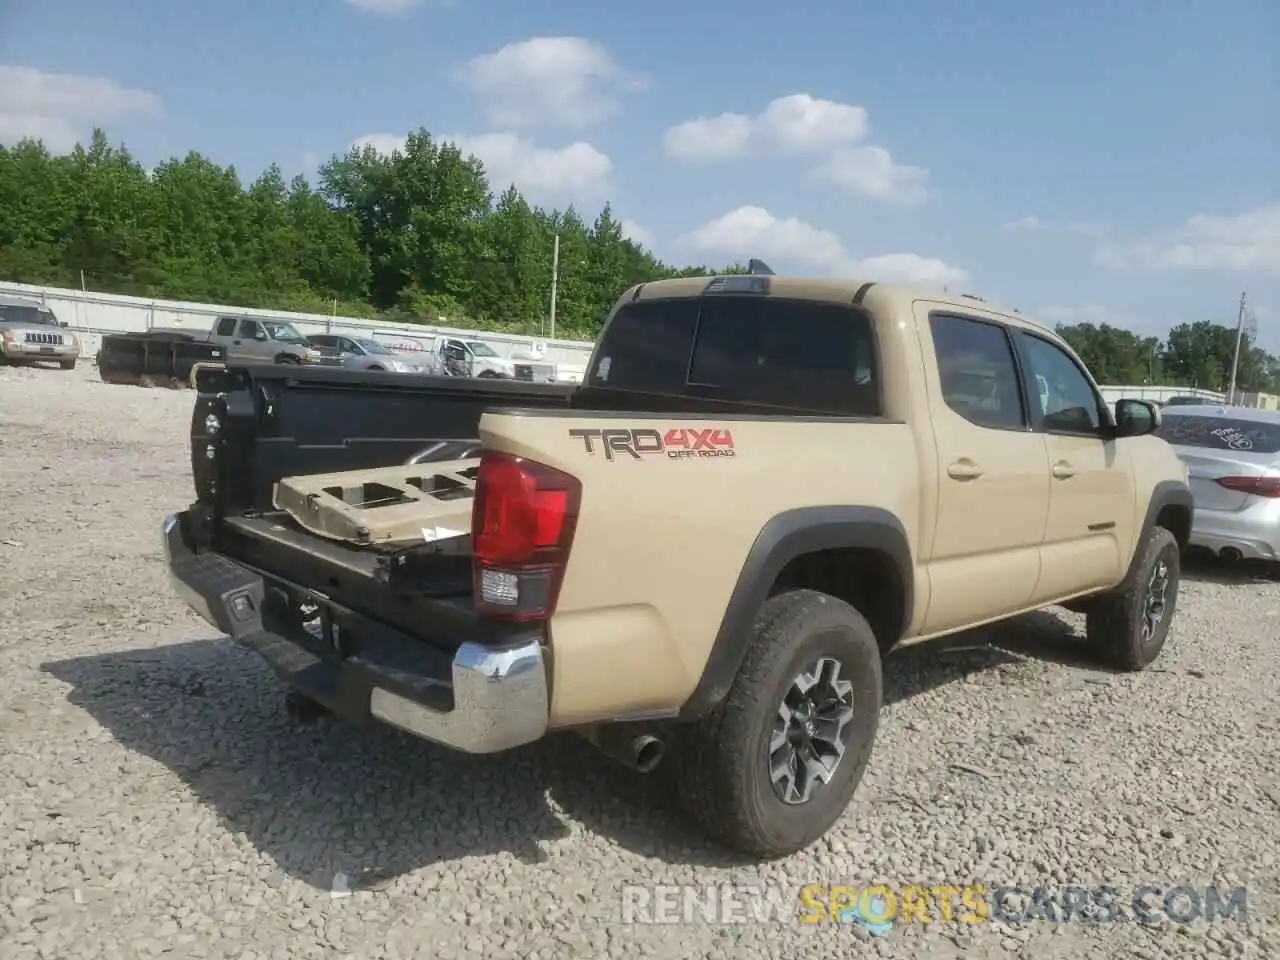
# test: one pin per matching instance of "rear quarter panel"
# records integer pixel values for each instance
(662, 539)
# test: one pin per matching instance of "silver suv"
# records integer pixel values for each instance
(29, 332)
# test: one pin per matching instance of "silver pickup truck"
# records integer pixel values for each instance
(29, 332)
(267, 341)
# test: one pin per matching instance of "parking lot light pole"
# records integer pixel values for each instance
(555, 271)
(1235, 360)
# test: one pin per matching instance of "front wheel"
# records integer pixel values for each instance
(1127, 628)
(774, 766)
(288, 359)
(67, 364)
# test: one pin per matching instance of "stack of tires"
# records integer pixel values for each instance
(154, 358)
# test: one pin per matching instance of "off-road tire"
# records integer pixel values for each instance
(67, 364)
(721, 768)
(1114, 622)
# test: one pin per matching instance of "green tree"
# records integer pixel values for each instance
(414, 235)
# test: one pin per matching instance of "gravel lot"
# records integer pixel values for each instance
(157, 799)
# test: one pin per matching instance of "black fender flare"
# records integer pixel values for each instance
(786, 536)
(1166, 493)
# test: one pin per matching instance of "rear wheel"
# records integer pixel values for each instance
(1127, 628)
(774, 766)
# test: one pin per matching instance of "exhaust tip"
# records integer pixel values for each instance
(647, 753)
(1230, 554)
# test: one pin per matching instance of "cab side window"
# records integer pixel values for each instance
(978, 373)
(1065, 400)
(250, 329)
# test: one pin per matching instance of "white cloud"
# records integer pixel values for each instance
(577, 171)
(384, 143)
(385, 7)
(907, 268)
(798, 123)
(801, 122)
(1247, 242)
(564, 81)
(1034, 224)
(716, 138)
(638, 233)
(752, 231)
(871, 172)
(59, 108)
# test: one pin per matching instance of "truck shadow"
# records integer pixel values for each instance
(1201, 566)
(332, 797)
(319, 798)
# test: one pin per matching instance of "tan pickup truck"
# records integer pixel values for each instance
(701, 554)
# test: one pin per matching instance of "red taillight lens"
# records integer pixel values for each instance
(522, 525)
(1258, 486)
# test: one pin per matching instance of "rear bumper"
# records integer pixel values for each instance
(483, 699)
(1254, 532)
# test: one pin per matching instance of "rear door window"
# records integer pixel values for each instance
(977, 371)
(1221, 433)
(226, 326)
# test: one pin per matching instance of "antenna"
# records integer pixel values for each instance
(758, 268)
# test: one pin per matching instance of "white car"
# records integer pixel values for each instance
(1232, 456)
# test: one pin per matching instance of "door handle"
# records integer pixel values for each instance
(1063, 470)
(964, 470)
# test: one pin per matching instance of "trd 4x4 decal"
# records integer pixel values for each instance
(677, 443)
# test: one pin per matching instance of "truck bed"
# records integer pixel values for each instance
(264, 424)
(276, 422)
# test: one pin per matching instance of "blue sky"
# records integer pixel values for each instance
(1114, 161)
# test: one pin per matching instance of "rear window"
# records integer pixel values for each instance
(646, 347)
(794, 354)
(1221, 433)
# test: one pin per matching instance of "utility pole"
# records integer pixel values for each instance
(555, 275)
(1235, 360)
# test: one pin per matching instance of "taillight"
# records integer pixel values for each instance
(1258, 486)
(522, 524)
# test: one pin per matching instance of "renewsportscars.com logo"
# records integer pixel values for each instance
(676, 443)
(880, 908)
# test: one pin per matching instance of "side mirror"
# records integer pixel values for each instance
(62, 323)
(1136, 418)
